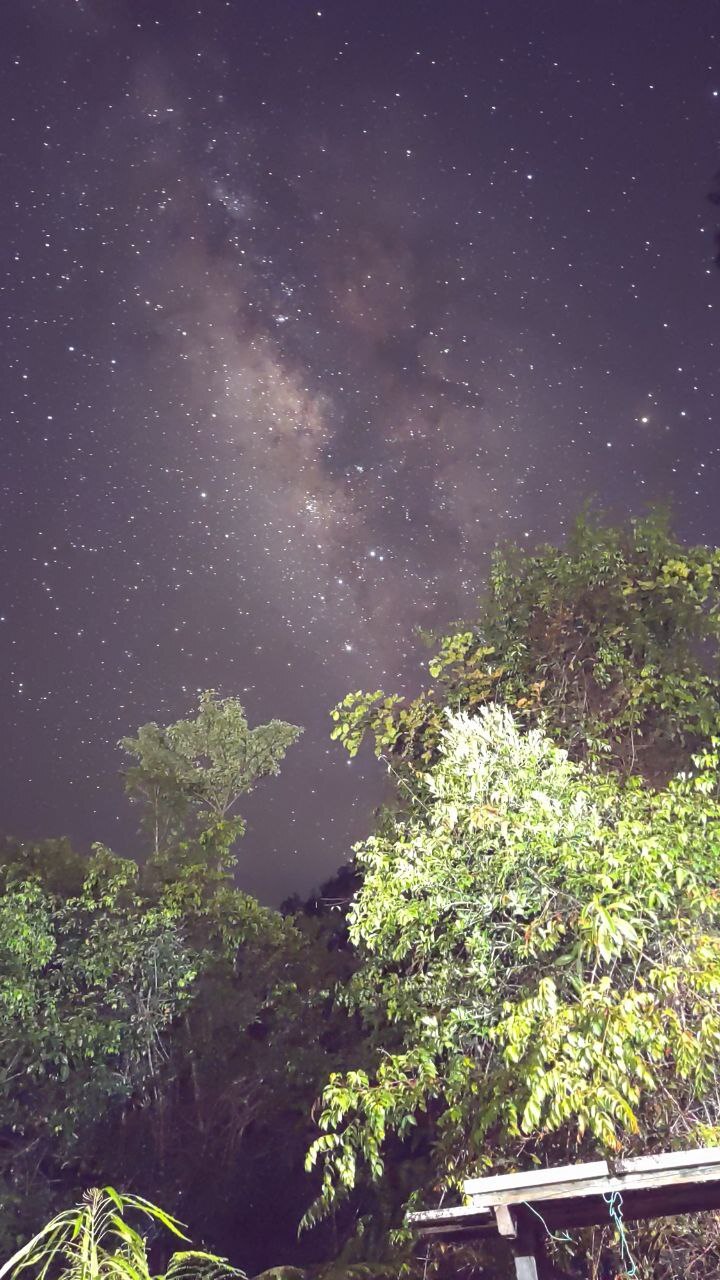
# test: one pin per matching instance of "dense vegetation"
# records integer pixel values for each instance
(525, 966)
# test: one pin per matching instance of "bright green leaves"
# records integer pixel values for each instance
(613, 627)
(190, 776)
(411, 732)
(541, 939)
(544, 931)
(452, 650)
(463, 661)
(144, 1008)
(583, 1062)
(357, 1115)
(94, 1241)
(90, 986)
(408, 732)
(361, 711)
(611, 643)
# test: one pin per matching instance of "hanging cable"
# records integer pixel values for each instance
(560, 1239)
(613, 1200)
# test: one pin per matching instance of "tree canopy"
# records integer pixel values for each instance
(537, 922)
(542, 940)
(189, 776)
(520, 964)
(610, 642)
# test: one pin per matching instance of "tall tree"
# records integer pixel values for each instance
(190, 776)
(610, 642)
(151, 1019)
(537, 924)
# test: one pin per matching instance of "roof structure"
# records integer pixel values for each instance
(522, 1206)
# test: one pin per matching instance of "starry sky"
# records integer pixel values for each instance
(306, 305)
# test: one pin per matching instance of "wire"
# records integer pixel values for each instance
(613, 1200)
(562, 1239)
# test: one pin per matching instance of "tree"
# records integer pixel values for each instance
(611, 643)
(53, 864)
(227, 1126)
(148, 1017)
(89, 986)
(544, 944)
(226, 1133)
(537, 925)
(190, 776)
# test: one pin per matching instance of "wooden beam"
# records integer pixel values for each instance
(506, 1219)
(646, 1173)
(430, 1217)
(466, 1222)
(527, 1263)
(675, 1182)
(446, 1224)
(533, 1178)
(573, 1195)
(657, 1202)
(526, 1243)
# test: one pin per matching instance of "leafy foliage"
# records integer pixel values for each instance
(243, 1065)
(149, 1014)
(544, 942)
(521, 964)
(89, 985)
(611, 643)
(190, 776)
(94, 1241)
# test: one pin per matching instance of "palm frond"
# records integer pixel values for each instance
(93, 1241)
(43, 1247)
(192, 1264)
(152, 1211)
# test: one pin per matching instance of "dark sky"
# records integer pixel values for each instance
(306, 305)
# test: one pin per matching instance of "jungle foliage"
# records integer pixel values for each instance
(610, 642)
(94, 1241)
(543, 942)
(521, 964)
(537, 925)
(162, 1030)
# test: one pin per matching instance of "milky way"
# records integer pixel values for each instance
(308, 306)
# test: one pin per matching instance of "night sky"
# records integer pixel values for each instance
(306, 306)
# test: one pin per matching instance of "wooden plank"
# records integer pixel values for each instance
(599, 1187)
(571, 1173)
(463, 1222)
(532, 1178)
(668, 1160)
(527, 1246)
(455, 1223)
(572, 1195)
(526, 1265)
(520, 1188)
(429, 1216)
(657, 1202)
(506, 1221)
(457, 1232)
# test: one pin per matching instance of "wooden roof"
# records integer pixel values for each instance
(574, 1195)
